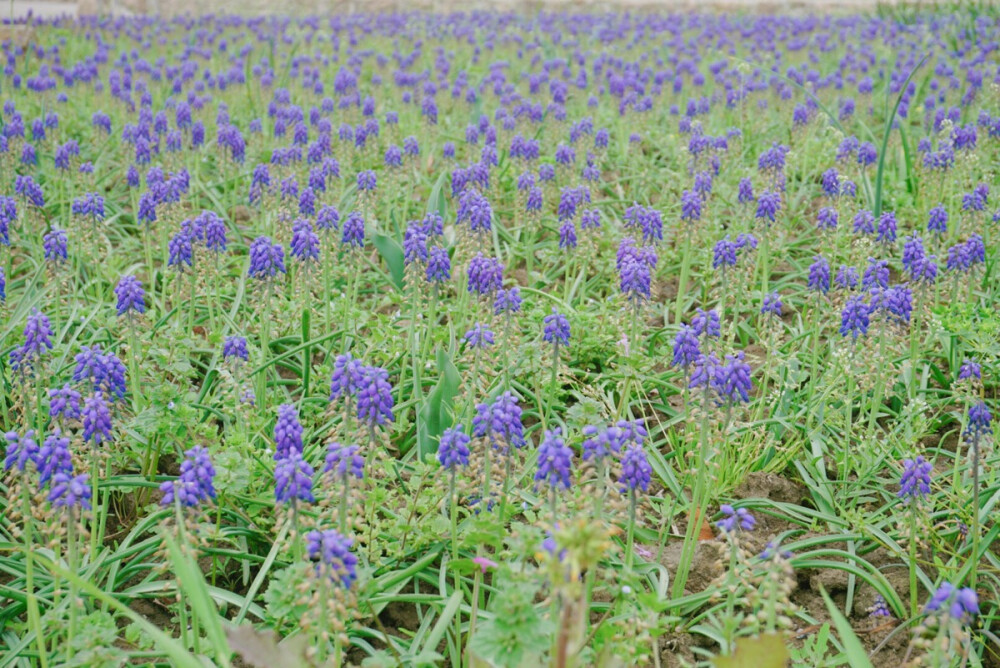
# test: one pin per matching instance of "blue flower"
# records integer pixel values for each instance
(479, 337)
(332, 554)
(266, 259)
(636, 471)
(740, 517)
(556, 329)
(287, 432)
(374, 394)
(21, 450)
(195, 483)
(131, 296)
(555, 460)
(293, 479)
(915, 481)
(344, 461)
(69, 491)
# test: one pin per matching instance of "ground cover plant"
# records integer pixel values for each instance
(500, 340)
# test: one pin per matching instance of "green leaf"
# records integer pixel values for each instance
(392, 253)
(857, 657)
(435, 415)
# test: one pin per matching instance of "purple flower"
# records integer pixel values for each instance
(266, 259)
(69, 491)
(367, 181)
(287, 432)
(499, 419)
(899, 303)
(636, 471)
(831, 183)
(485, 275)
(567, 235)
(854, 318)
(724, 253)
(438, 265)
(328, 218)
(876, 274)
(690, 205)
(96, 420)
(980, 421)
(293, 480)
(333, 557)
(195, 483)
(886, 228)
(353, 231)
(235, 347)
(37, 340)
(20, 450)
(555, 460)
(915, 481)
(53, 457)
(819, 275)
(867, 154)
(864, 222)
(969, 370)
(507, 301)
(686, 347)
(827, 218)
(847, 277)
(346, 377)
(131, 296)
(771, 305)
(305, 244)
(556, 329)
(453, 449)
(937, 220)
(745, 191)
(180, 249)
(344, 461)
(103, 370)
(768, 205)
(706, 323)
(732, 380)
(54, 245)
(733, 519)
(479, 337)
(64, 402)
(374, 394)
(635, 280)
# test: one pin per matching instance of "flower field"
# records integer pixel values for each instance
(500, 340)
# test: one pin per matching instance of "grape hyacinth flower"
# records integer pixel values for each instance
(980, 421)
(453, 449)
(235, 347)
(706, 323)
(819, 275)
(555, 459)
(267, 259)
(69, 491)
(686, 348)
(287, 432)
(732, 380)
(970, 370)
(64, 403)
(331, 552)
(346, 378)
(636, 472)
(847, 277)
(557, 331)
(96, 420)
(485, 275)
(768, 206)
(131, 297)
(54, 245)
(937, 220)
(771, 305)
(499, 419)
(293, 480)
(195, 483)
(374, 396)
(438, 266)
(37, 340)
(959, 604)
(915, 482)
(53, 457)
(733, 519)
(854, 318)
(343, 461)
(21, 450)
(479, 337)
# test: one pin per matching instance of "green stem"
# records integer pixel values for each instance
(698, 504)
(913, 559)
(630, 540)
(685, 271)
